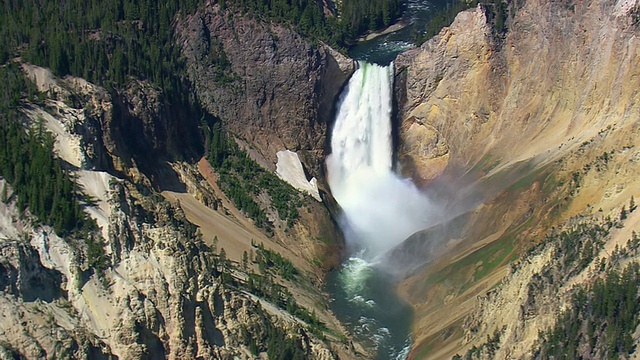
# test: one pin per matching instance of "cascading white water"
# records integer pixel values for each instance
(380, 209)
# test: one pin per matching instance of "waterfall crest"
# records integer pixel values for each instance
(380, 208)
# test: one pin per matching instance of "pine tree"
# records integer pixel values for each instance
(223, 259)
(245, 260)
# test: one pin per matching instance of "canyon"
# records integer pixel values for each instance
(520, 140)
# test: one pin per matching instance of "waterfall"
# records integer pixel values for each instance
(380, 208)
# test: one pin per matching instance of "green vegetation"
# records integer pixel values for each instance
(443, 18)
(243, 180)
(108, 41)
(265, 335)
(363, 15)
(265, 286)
(103, 41)
(306, 16)
(273, 340)
(222, 72)
(495, 10)
(575, 248)
(269, 259)
(600, 322)
(486, 350)
(37, 177)
(28, 164)
(476, 265)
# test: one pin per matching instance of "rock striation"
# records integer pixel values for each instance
(160, 298)
(529, 119)
(162, 293)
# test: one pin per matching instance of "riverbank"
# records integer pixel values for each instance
(388, 30)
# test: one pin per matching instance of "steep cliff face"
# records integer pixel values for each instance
(163, 297)
(267, 84)
(144, 131)
(540, 121)
(273, 90)
(131, 133)
(165, 292)
(562, 73)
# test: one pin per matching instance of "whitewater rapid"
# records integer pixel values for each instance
(380, 208)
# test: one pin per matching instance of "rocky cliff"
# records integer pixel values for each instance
(165, 290)
(273, 91)
(269, 86)
(162, 297)
(163, 293)
(538, 124)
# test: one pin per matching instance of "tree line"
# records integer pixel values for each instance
(243, 180)
(40, 181)
(106, 41)
(600, 322)
(102, 41)
(28, 163)
(496, 11)
(307, 17)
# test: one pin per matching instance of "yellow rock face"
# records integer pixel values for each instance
(548, 115)
(424, 152)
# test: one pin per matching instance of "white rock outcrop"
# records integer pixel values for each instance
(289, 168)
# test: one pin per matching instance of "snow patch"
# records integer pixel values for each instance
(289, 168)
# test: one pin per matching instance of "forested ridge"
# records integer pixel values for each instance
(102, 41)
(354, 17)
(600, 322)
(110, 42)
(41, 182)
(107, 41)
(28, 163)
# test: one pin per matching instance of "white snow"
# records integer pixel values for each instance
(289, 168)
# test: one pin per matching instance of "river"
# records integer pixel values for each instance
(383, 49)
(380, 210)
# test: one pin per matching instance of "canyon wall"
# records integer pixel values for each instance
(529, 129)
(163, 290)
(275, 91)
